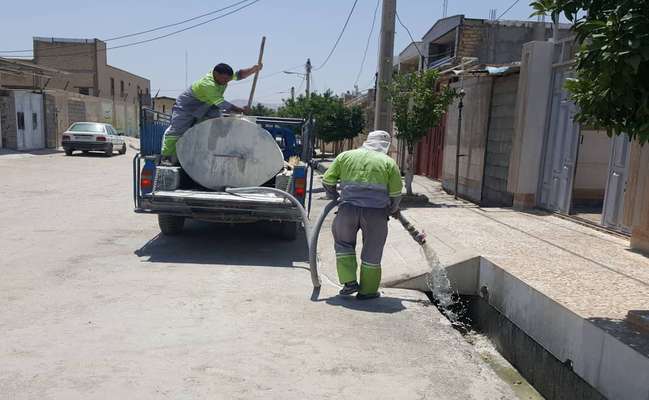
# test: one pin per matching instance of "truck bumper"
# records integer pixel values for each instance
(219, 207)
(86, 146)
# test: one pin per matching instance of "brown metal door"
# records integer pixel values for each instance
(430, 152)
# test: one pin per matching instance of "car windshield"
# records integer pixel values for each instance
(87, 127)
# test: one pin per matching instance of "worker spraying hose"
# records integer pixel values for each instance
(370, 184)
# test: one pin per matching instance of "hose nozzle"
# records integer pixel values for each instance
(419, 237)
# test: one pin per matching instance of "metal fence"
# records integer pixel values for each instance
(152, 127)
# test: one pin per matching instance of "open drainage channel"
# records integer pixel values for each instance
(531, 371)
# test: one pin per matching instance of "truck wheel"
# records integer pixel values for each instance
(123, 149)
(68, 152)
(109, 151)
(171, 225)
(288, 231)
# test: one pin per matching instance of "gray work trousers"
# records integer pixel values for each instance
(373, 222)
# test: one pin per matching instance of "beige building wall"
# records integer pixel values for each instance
(85, 60)
(163, 104)
(122, 85)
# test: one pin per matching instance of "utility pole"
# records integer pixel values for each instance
(386, 52)
(293, 93)
(308, 77)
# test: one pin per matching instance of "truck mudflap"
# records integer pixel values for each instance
(219, 206)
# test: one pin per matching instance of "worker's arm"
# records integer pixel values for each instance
(246, 72)
(330, 180)
(394, 188)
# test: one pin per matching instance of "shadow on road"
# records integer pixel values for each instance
(219, 244)
(381, 305)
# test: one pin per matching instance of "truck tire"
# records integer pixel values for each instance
(109, 151)
(171, 225)
(68, 152)
(123, 149)
(288, 231)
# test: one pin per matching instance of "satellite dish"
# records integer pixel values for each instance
(229, 152)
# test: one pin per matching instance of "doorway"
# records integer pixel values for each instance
(591, 175)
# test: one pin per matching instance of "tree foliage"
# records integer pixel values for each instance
(611, 86)
(333, 121)
(261, 110)
(417, 105)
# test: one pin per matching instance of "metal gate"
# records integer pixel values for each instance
(613, 210)
(430, 152)
(152, 127)
(562, 138)
(29, 121)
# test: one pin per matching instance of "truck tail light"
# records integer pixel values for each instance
(65, 137)
(300, 187)
(101, 138)
(146, 179)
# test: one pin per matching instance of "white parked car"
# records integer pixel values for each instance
(93, 136)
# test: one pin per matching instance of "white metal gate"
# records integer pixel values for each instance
(561, 146)
(29, 121)
(613, 210)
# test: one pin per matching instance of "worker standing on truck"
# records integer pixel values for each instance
(370, 183)
(202, 100)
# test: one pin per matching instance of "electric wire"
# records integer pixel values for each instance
(508, 9)
(367, 45)
(342, 31)
(409, 34)
(156, 37)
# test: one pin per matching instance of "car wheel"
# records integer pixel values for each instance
(288, 231)
(68, 152)
(123, 149)
(109, 151)
(85, 151)
(171, 225)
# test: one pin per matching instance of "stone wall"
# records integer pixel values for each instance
(472, 141)
(499, 142)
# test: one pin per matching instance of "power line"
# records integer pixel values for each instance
(141, 32)
(175, 23)
(507, 10)
(409, 34)
(157, 37)
(367, 45)
(342, 31)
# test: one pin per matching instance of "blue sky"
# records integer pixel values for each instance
(295, 30)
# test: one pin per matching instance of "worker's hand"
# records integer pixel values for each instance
(259, 66)
(395, 214)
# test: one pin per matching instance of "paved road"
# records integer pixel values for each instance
(96, 305)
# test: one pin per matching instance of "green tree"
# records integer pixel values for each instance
(611, 86)
(261, 110)
(333, 121)
(417, 108)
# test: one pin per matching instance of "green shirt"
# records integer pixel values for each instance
(208, 91)
(365, 168)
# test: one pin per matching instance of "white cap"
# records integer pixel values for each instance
(378, 141)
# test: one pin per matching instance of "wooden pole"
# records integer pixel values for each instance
(254, 81)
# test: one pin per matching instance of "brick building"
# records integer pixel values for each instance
(88, 72)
